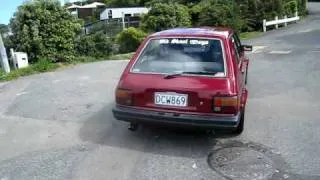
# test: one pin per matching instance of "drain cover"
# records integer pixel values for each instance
(241, 163)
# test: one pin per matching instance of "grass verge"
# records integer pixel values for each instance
(250, 35)
(46, 66)
(88, 59)
(41, 66)
(121, 56)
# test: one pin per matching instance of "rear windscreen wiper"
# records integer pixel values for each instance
(168, 76)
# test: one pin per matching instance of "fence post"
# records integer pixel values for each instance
(285, 24)
(277, 25)
(264, 25)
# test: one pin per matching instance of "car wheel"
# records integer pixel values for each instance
(240, 127)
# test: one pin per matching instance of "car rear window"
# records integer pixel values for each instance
(175, 55)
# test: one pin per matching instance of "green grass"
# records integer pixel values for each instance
(121, 56)
(41, 66)
(250, 35)
(86, 59)
(46, 66)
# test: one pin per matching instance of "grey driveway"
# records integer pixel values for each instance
(59, 125)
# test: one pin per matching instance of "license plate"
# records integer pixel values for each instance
(171, 99)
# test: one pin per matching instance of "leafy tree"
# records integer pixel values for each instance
(290, 7)
(196, 9)
(3, 29)
(164, 16)
(44, 29)
(129, 39)
(302, 9)
(219, 13)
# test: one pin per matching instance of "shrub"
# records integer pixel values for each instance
(290, 8)
(95, 45)
(103, 45)
(85, 46)
(129, 39)
(252, 12)
(44, 65)
(302, 9)
(43, 28)
(2, 74)
(166, 15)
(219, 13)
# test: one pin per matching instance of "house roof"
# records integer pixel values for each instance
(88, 6)
(93, 5)
(73, 6)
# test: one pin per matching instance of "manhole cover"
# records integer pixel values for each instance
(235, 160)
(241, 163)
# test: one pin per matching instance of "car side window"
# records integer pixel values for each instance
(238, 43)
(235, 52)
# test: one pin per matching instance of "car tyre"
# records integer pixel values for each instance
(240, 126)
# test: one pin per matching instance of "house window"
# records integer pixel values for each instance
(110, 14)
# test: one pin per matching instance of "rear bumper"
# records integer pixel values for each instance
(135, 115)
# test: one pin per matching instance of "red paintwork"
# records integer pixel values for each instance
(199, 89)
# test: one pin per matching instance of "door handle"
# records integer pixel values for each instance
(242, 68)
(244, 65)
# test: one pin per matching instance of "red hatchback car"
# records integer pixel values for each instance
(186, 76)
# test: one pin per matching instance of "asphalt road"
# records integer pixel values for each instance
(59, 125)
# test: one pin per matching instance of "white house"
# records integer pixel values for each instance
(85, 10)
(73, 9)
(114, 13)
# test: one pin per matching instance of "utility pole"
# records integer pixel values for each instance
(3, 57)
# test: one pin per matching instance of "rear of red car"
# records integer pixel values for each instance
(185, 80)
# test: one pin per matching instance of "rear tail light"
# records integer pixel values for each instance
(226, 105)
(124, 97)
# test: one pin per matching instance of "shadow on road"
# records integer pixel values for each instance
(103, 129)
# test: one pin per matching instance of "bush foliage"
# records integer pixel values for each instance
(95, 45)
(129, 39)
(166, 15)
(242, 15)
(43, 28)
(217, 13)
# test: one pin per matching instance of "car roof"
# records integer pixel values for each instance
(199, 31)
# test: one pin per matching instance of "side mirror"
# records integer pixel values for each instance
(247, 48)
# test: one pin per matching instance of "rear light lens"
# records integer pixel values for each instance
(226, 105)
(124, 97)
